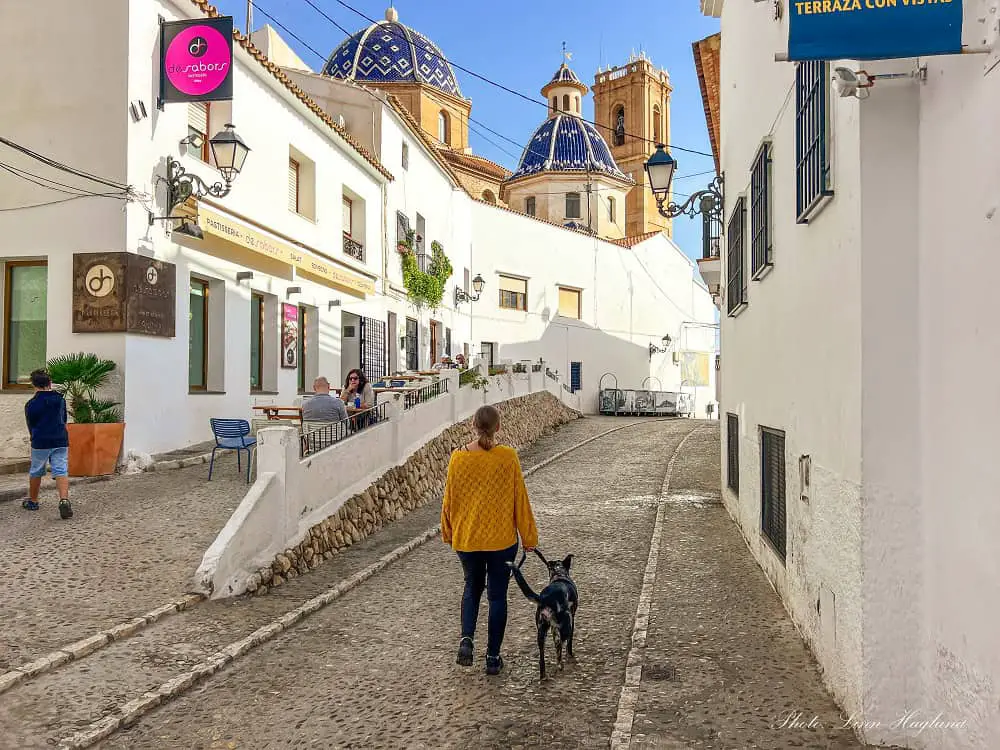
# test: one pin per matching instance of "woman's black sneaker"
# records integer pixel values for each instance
(494, 664)
(465, 649)
(65, 509)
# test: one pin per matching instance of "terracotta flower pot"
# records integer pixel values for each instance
(94, 448)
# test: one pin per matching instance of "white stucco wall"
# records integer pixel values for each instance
(271, 121)
(83, 126)
(866, 344)
(792, 358)
(959, 192)
(630, 297)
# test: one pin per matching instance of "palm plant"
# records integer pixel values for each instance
(78, 377)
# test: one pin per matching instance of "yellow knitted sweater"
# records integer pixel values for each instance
(485, 502)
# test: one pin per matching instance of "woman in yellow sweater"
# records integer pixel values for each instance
(485, 508)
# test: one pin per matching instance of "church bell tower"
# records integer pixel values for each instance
(632, 112)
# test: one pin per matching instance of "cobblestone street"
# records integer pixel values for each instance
(722, 665)
(133, 544)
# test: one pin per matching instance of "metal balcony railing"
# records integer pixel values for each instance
(314, 440)
(428, 392)
(353, 248)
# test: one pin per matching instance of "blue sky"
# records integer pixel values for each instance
(519, 44)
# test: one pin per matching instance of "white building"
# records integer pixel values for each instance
(337, 173)
(857, 441)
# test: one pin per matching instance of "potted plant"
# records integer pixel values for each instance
(97, 431)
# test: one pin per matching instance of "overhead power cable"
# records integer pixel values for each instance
(473, 73)
(62, 167)
(323, 58)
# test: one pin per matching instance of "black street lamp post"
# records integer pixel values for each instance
(708, 202)
(463, 296)
(229, 153)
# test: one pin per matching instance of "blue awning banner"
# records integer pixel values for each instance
(873, 29)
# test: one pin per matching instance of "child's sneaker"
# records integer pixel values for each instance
(65, 509)
(29, 505)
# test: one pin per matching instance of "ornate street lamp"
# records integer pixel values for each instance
(462, 296)
(660, 168)
(229, 152)
(654, 349)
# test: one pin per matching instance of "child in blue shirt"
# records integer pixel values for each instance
(46, 416)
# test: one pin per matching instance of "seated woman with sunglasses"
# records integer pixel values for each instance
(357, 387)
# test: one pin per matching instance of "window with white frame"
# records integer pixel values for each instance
(513, 293)
(301, 184)
(569, 303)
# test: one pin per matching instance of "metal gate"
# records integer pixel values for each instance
(373, 349)
(412, 350)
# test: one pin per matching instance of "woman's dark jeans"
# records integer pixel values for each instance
(486, 570)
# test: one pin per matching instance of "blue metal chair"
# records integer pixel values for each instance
(232, 434)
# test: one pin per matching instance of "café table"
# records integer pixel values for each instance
(278, 413)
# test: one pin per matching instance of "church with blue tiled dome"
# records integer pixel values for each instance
(565, 143)
(567, 173)
(389, 52)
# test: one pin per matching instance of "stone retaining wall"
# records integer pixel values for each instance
(409, 486)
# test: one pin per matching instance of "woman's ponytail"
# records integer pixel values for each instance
(486, 422)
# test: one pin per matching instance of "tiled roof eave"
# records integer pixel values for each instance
(621, 177)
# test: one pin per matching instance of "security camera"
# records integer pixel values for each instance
(845, 81)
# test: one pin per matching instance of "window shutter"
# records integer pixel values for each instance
(569, 303)
(347, 215)
(198, 117)
(402, 226)
(510, 284)
(575, 376)
(293, 185)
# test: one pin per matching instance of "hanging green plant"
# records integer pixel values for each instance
(424, 288)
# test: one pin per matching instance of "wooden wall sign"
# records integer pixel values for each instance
(123, 293)
(152, 291)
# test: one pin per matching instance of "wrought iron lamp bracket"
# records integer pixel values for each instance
(708, 202)
(463, 296)
(182, 185)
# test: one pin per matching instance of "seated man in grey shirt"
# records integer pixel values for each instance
(323, 407)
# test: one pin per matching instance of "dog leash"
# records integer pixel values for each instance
(524, 554)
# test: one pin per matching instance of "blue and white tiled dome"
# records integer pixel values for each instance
(565, 143)
(389, 52)
(565, 74)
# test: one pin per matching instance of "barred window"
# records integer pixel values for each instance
(760, 213)
(812, 146)
(733, 452)
(402, 226)
(772, 487)
(736, 285)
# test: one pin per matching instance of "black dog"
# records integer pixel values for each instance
(557, 605)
